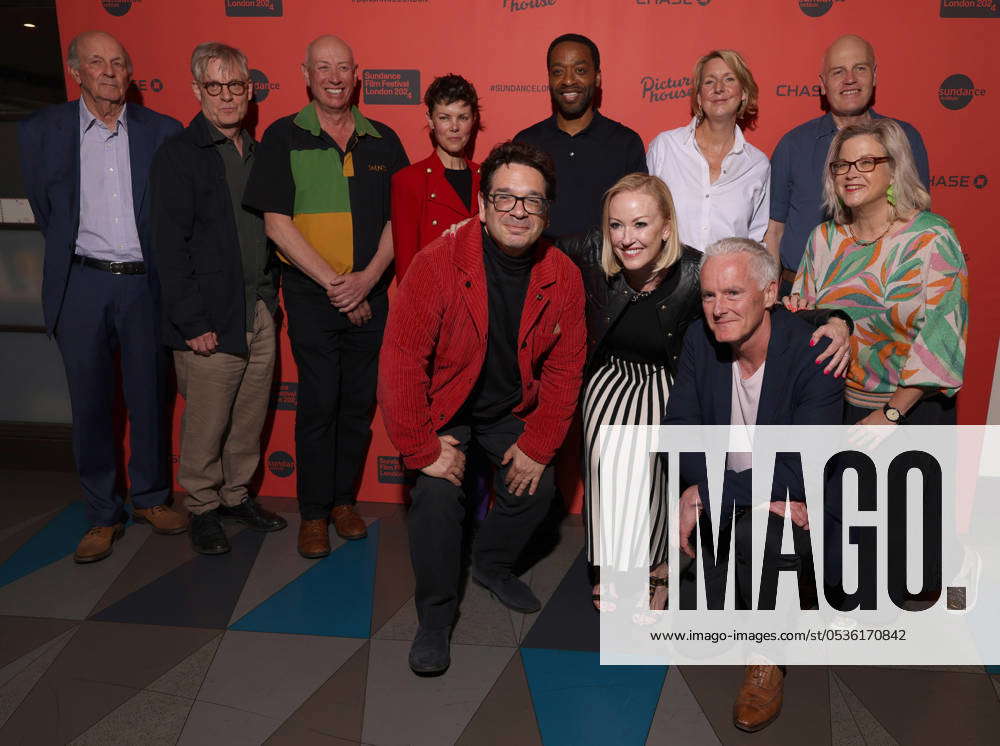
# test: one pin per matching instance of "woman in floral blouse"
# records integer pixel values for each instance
(897, 269)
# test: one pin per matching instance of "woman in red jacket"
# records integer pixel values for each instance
(440, 190)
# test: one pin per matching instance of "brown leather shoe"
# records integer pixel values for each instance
(97, 543)
(348, 523)
(759, 701)
(314, 538)
(163, 519)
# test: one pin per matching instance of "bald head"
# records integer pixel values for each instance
(87, 41)
(331, 74)
(848, 76)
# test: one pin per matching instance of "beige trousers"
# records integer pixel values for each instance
(226, 404)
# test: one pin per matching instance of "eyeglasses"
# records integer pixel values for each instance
(236, 87)
(507, 202)
(863, 165)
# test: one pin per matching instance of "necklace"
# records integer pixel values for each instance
(638, 295)
(866, 244)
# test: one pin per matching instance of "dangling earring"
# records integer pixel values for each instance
(890, 195)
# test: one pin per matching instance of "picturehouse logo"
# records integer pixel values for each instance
(253, 8)
(515, 5)
(664, 89)
(118, 7)
(957, 91)
(262, 87)
(816, 8)
(391, 86)
(960, 181)
(285, 395)
(970, 9)
(281, 464)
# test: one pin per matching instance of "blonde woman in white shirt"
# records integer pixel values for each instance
(719, 181)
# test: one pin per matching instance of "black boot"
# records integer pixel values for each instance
(254, 516)
(207, 536)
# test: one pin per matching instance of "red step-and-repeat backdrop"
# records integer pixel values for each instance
(937, 66)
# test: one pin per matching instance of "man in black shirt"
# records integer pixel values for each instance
(591, 152)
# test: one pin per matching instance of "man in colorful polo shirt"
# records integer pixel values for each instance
(322, 180)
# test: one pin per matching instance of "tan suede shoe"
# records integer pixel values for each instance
(348, 523)
(163, 519)
(759, 701)
(314, 538)
(97, 543)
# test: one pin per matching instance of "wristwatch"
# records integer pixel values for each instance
(892, 414)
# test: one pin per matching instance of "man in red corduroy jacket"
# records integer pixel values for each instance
(485, 341)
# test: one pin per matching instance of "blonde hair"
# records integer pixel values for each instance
(655, 188)
(231, 59)
(909, 193)
(746, 116)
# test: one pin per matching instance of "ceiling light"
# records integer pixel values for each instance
(28, 25)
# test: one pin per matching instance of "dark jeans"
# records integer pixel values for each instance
(338, 370)
(437, 514)
(104, 315)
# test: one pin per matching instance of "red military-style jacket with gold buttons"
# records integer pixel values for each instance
(424, 205)
(435, 346)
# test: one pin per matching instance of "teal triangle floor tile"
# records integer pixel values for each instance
(332, 598)
(200, 593)
(57, 538)
(579, 701)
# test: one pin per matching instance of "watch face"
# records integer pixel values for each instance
(891, 414)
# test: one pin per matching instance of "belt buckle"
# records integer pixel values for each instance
(116, 268)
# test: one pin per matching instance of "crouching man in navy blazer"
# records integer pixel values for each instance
(85, 166)
(747, 363)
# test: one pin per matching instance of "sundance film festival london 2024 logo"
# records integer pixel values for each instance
(262, 87)
(970, 9)
(253, 8)
(817, 8)
(281, 464)
(118, 7)
(391, 86)
(957, 91)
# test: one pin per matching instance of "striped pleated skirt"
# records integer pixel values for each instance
(622, 392)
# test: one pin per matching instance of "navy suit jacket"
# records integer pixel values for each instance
(49, 142)
(794, 390)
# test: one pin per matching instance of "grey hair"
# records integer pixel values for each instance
(763, 266)
(909, 192)
(73, 51)
(230, 58)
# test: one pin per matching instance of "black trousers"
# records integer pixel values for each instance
(338, 370)
(437, 514)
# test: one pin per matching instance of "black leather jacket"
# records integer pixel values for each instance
(608, 297)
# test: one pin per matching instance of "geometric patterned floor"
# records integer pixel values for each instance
(159, 645)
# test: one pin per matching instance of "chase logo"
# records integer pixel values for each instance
(391, 86)
(285, 395)
(262, 87)
(960, 181)
(970, 9)
(118, 7)
(515, 5)
(957, 91)
(665, 89)
(281, 464)
(253, 8)
(816, 8)
(794, 89)
(151, 84)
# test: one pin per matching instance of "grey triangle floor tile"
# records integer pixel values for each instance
(507, 715)
(272, 674)
(19, 677)
(393, 572)
(20, 635)
(185, 679)
(401, 708)
(844, 727)
(292, 733)
(805, 714)
(210, 724)
(336, 708)
(147, 719)
(278, 563)
(66, 590)
(925, 706)
(678, 718)
(871, 729)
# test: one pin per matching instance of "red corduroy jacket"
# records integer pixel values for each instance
(435, 345)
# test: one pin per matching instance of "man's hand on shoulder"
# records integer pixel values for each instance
(450, 463)
(203, 344)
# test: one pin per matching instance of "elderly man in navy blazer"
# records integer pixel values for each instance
(747, 363)
(85, 166)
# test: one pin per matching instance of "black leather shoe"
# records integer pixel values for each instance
(509, 590)
(429, 653)
(254, 516)
(207, 536)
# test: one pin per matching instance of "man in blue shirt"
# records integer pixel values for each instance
(848, 81)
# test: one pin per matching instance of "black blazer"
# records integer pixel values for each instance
(49, 142)
(196, 242)
(794, 390)
(607, 298)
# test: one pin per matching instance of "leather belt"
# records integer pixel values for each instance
(115, 268)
